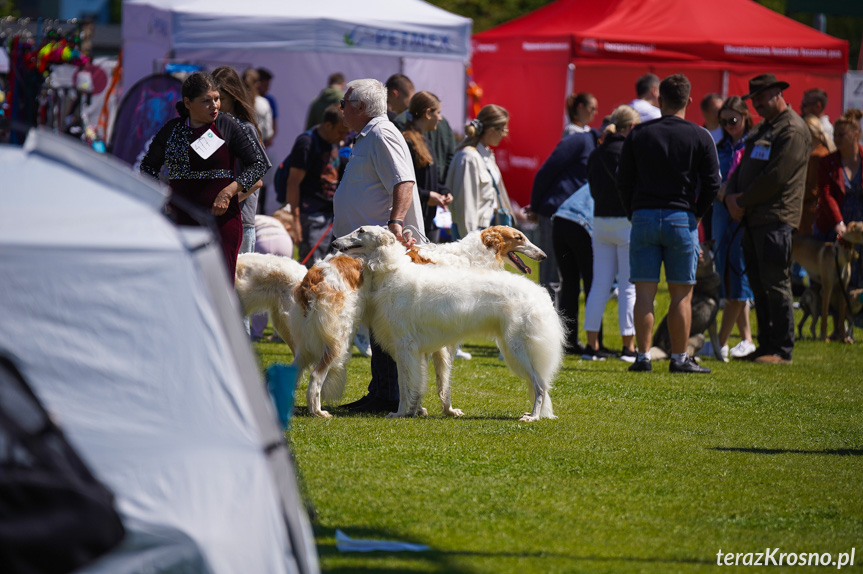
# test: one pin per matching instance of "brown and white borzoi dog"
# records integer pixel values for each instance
(417, 310)
(329, 303)
(489, 248)
(266, 283)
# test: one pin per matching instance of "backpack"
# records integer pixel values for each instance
(280, 181)
(329, 174)
(55, 516)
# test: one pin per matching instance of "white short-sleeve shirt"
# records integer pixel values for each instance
(380, 160)
(645, 109)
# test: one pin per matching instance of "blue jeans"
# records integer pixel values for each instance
(663, 236)
(728, 255)
(248, 246)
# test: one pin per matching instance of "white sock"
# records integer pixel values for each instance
(643, 357)
(678, 357)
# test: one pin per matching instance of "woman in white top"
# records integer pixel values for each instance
(473, 175)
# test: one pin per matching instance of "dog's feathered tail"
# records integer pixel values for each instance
(548, 341)
(536, 340)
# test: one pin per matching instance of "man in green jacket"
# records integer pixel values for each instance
(765, 192)
(329, 96)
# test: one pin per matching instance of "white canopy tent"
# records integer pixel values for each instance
(128, 331)
(302, 43)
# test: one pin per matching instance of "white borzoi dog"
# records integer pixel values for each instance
(328, 304)
(416, 310)
(266, 283)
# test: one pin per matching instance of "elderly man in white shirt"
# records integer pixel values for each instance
(378, 188)
(647, 101)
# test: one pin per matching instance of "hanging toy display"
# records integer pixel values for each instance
(41, 68)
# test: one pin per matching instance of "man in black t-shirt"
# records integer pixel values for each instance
(313, 176)
(667, 178)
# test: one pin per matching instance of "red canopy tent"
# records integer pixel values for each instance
(529, 65)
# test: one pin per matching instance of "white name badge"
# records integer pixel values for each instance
(443, 218)
(761, 151)
(207, 144)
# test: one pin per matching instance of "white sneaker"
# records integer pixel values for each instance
(459, 354)
(742, 349)
(363, 345)
(723, 352)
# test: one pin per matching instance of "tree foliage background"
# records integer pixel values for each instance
(489, 13)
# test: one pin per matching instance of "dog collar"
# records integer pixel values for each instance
(844, 242)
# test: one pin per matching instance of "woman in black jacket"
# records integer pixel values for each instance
(610, 239)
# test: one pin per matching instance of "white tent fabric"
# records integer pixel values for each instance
(128, 330)
(302, 43)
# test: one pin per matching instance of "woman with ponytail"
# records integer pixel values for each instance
(201, 148)
(611, 229)
(423, 117)
(473, 175)
(235, 101)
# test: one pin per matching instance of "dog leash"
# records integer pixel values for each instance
(409, 232)
(315, 248)
(840, 243)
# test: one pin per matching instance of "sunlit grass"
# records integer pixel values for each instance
(646, 472)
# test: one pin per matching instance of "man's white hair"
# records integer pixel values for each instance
(372, 93)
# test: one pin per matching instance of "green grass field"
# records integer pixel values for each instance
(641, 472)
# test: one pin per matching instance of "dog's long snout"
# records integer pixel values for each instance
(344, 243)
(533, 252)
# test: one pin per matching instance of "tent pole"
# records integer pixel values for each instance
(724, 84)
(570, 86)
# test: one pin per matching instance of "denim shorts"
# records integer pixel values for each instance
(663, 235)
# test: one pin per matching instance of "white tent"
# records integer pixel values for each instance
(128, 330)
(302, 42)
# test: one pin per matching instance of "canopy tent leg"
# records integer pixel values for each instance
(570, 86)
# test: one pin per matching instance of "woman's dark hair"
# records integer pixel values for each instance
(737, 105)
(227, 80)
(573, 101)
(420, 102)
(196, 84)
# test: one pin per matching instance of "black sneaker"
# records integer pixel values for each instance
(377, 405)
(687, 365)
(628, 356)
(642, 366)
(597, 355)
(575, 349)
(606, 352)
